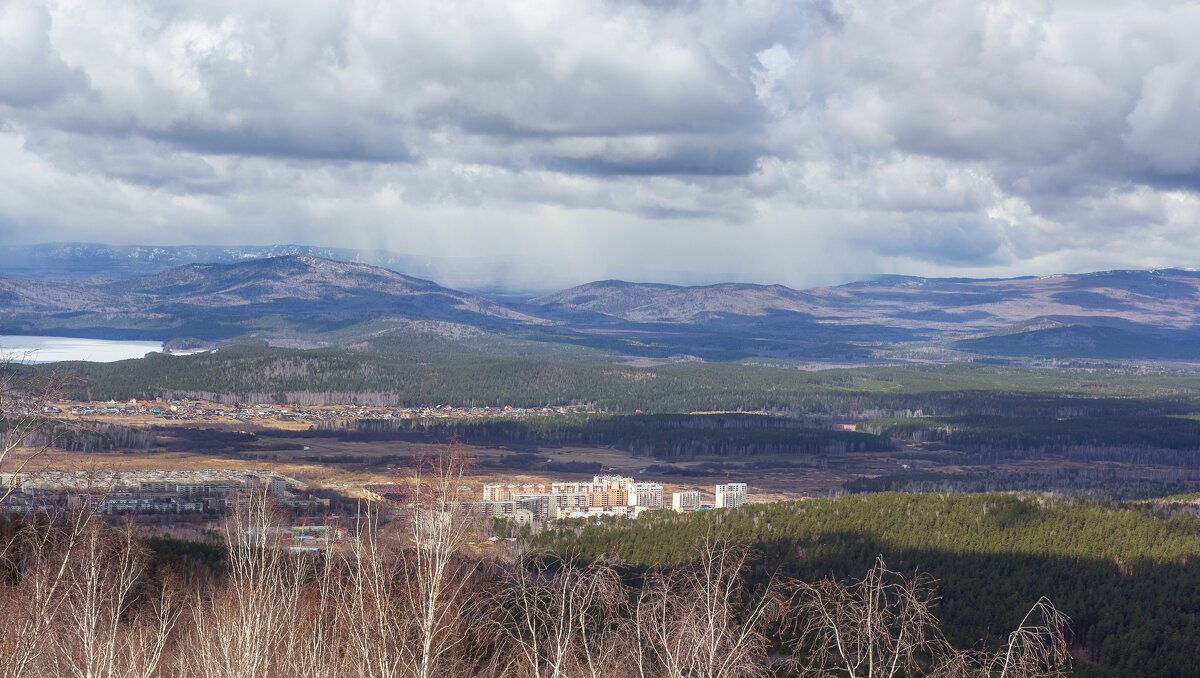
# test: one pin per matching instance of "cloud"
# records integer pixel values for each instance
(31, 71)
(1162, 126)
(798, 142)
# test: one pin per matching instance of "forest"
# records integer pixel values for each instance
(974, 414)
(1139, 438)
(656, 435)
(1046, 434)
(328, 376)
(1097, 483)
(1126, 576)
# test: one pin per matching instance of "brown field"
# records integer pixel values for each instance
(380, 462)
(393, 457)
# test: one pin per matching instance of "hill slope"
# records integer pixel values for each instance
(68, 261)
(214, 301)
(309, 301)
(1126, 576)
(1113, 314)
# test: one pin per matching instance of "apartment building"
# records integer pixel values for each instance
(731, 495)
(503, 492)
(497, 508)
(649, 495)
(599, 483)
(685, 502)
(603, 495)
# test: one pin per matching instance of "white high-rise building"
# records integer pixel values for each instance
(502, 492)
(731, 495)
(649, 495)
(598, 484)
(685, 502)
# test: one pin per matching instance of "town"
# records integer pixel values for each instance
(174, 496)
(605, 496)
(192, 496)
(168, 410)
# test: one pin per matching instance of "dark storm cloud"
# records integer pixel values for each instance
(711, 162)
(785, 141)
(324, 143)
(31, 71)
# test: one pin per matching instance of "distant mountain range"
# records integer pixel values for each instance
(1111, 314)
(310, 301)
(81, 260)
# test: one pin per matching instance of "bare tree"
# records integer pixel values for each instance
(39, 557)
(369, 599)
(406, 584)
(695, 621)
(241, 629)
(316, 641)
(98, 635)
(1036, 649)
(41, 553)
(563, 621)
(879, 626)
(25, 396)
(434, 569)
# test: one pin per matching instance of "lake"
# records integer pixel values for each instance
(57, 349)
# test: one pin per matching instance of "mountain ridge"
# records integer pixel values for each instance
(288, 290)
(314, 300)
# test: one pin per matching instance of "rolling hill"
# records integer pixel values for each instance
(309, 301)
(281, 296)
(72, 261)
(1112, 314)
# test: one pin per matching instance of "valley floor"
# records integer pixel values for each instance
(347, 465)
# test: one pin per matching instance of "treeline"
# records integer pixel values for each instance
(1144, 438)
(91, 436)
(1097, 483)
(1128, 579)
(660, 435)
(344, 377)
(75, 437)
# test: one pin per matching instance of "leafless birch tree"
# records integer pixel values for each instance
(24, 396)
(1036, 649)
(876, 627)
(39, 556)
(370, 601)
(316, 638)
(695, 621)
(435, 572)
(98, 635)
(564, 621)
(241, 629)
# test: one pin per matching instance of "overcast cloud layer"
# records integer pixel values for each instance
(794, 142)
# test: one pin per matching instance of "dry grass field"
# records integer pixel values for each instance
(316, 461)
(346, 466)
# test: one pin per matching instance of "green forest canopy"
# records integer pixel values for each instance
(1128, 577)
(336, 376)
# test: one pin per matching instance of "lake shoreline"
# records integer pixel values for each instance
(49, 349)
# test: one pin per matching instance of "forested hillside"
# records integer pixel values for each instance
(337, 376)
(1128, 578)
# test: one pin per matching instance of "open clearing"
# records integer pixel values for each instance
(348, 465)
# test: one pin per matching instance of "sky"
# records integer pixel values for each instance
(788, 142)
